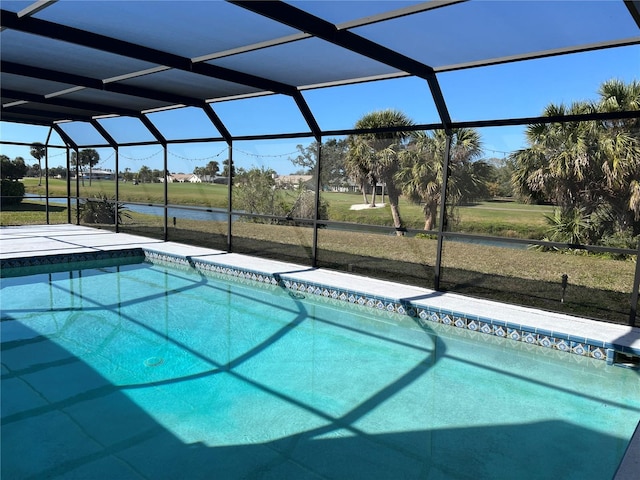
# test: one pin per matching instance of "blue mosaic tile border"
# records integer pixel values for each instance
(551, 340)
(532, 336)
(8, 264)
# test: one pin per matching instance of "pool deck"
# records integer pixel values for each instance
(47, 240)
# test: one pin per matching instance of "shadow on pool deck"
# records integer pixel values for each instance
(61, 419)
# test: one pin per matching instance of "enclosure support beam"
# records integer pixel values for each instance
(77, 185)
(163, 141)
(442, 218)
(634, 294)
(308, 115)
(117, 192)
(46, 174)
(316, 216)
(70, 144)
(229, 197)
(217, 122)
(112, 142)
(68, 180)
(165, 183)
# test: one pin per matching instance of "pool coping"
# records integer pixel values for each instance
(55, 244)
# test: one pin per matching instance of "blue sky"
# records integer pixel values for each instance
(520, 89)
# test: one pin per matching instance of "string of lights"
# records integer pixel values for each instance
(504, 154)
(196, 159)
(141, 159)
(199, 159)
(257, 155)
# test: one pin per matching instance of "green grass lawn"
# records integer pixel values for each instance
(32, 213)
(201, 194)
(508, 219)
(500, 218)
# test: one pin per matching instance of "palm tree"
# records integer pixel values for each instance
(593, 166)
(617, 96)
(620, 147)
(356, 171)
(558, 162)
(421, 174)
(38, 151)
(89, 157)
(375, 156)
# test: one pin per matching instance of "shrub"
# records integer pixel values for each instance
(102, 210)
(11, 192)
(620, 240)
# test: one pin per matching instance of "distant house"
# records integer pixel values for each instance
(293, 181)
(221, 180)
(183, 178)
(344, 186)
(98, 174)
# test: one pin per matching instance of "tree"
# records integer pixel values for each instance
(500, 181)
(375, 156)
(58, 172)
(11, 190)
(145, 175)
(332, 168)
(38, 151)
(421, 175)
(88, 157)
(156, 176)
(33, 170)
(127, 175)
(212, 169)
(208, 172)
(12, 169)
(225, 169)
(256, 192)
(587, 169)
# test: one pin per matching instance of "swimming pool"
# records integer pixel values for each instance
(149, 371)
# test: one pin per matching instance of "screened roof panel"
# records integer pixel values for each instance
(184, 123)
(31, 85)
(84, 133)
(190, 85)
(254, 116)
(63, 111)
(110, 99)
(187, 28)
(483, 30)
(351, 10)
(15, 6)
(43, 52)
(126, 129)
(305, 62)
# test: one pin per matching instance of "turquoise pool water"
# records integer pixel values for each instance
(144, 371)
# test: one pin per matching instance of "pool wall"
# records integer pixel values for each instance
(415, 306)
